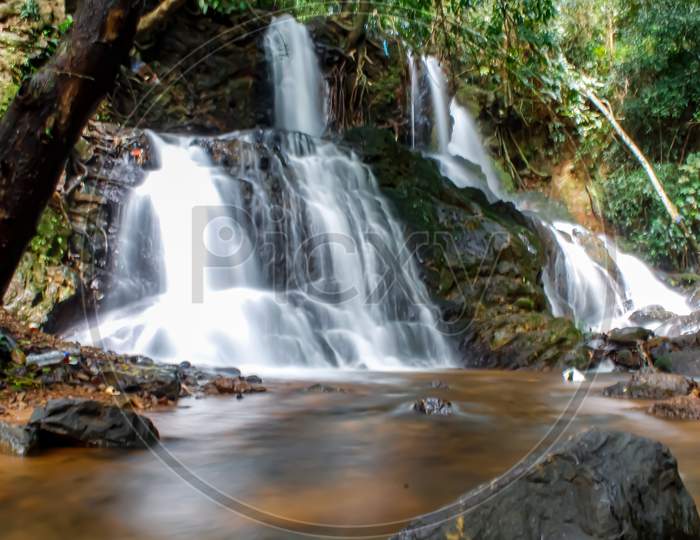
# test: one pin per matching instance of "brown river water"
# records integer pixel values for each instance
(229, 468)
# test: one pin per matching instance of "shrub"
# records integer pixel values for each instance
(632, 206)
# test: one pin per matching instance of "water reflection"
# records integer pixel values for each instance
(343, 458)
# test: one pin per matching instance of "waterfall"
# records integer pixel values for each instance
(587, 277)
(283, 254)
(414, 97)
(296, 77)
(438, 96)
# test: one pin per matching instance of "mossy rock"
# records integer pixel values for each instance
(480, 261)
(42, 279)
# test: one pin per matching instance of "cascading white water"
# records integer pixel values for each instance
(296, 77)
(413, 75)
(457, 144)
(438, 95)
(288, 257)
(599, 295)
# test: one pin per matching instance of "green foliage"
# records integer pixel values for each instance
(7, 94)
(658, 64)
(223, 6)
(663, 363)
(51, 240)
(49, 36)
(30, 10)
(634, 209)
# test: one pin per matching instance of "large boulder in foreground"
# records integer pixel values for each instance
(598, 484)
(74, 422)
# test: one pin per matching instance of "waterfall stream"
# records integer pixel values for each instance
(288, 257)
(599, 292)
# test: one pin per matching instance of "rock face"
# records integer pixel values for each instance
(68, 422)
(79, 237)
(651, 386)
(480, 261)
(201, 74)
(598, 484)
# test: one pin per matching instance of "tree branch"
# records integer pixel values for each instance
(48, 114)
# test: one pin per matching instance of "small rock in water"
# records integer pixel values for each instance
(573, 375)
(650, 314)
(229, 371)
(318, 387)
(253, 379)
(231, 385)
(141, 360)
(433, 406)
(681, 408)
(629, 335)
(651, 386)
(439, 385)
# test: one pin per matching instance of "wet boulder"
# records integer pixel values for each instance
(598, 484)
(433, 406)
(651, 314)
(630, 335)
(480, 261)
(161, 381)
(17, 440)
(74, 422)
(230, 385)
(651, 385)
(680, 325)
(678, 408)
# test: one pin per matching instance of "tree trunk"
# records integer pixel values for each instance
(676, 218)
(48, 114)
(358, 28)
(157, 18)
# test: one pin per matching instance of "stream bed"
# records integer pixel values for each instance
(351, 458)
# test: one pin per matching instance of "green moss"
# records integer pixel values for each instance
(42, 279)
(482, 259)
(7, 94)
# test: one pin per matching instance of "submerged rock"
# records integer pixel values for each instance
(433, 406)
(72, 422)
(680, 408)
(231, 385)
(651, 386)
(324, 388)
(598, 484)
